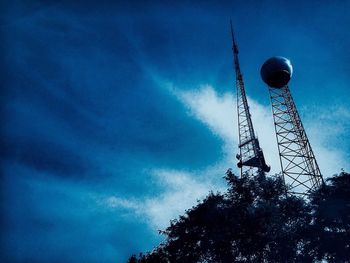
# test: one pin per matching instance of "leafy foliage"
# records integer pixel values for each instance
(331, 220)
(255, 221)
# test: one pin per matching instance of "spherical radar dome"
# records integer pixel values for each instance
(276, 72)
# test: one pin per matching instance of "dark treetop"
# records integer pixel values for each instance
(254, 221)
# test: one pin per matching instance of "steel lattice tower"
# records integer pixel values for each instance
(251, 157)
(298, 163)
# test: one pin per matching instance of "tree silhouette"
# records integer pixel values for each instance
(255, 221)
(331, 217)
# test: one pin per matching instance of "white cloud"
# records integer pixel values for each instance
(323, 127)
(328, 131)
(181, 190)
(218, 112)
(215, 111)
(116, 202)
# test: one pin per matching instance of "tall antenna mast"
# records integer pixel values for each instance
(251, 159)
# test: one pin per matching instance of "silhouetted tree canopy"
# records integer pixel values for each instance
(331, 220)
(255, 221)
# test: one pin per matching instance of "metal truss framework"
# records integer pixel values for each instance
(247, 141)
(251, 157)
(298, 163)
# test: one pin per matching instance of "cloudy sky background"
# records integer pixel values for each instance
(118, 117)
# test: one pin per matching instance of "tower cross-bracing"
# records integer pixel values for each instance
(300, 170)
(250, 158)
(298, 162)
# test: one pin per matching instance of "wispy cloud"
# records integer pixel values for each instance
(98, 151)
(218, 112)
(181, 189)
(323, 127)
(215, 111)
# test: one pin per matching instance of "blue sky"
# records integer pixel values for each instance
(118, 117)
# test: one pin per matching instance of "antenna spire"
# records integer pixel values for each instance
(251, 159)
(234, 45)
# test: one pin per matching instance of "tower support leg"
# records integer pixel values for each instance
(298, 163)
